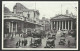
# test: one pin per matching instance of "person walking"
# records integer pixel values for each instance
(22, 42)
(21, 35)
(68, 43)
(26, 42)
(19, 42)
(16, 44)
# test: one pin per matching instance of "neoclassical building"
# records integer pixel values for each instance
(46, 24)
(20, 20)
(61, 22)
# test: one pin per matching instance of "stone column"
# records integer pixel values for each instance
(12, 27)
(71, 25)
(62, 24)
(9, 27)
(57, 25)
(65, 24)
(16, 27)
(68, 25)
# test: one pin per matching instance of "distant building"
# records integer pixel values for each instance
(20, 19)
(46, 24)
(60, 22)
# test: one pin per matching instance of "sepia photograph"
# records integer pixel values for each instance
(39, 25)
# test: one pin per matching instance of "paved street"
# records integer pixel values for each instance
(12, 43)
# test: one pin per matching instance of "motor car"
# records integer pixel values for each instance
(36, 41)
(65, 31)
(54, 37)
(72, 32)
(24, 35)
(50, 43)
(62, 41)
(63, 34)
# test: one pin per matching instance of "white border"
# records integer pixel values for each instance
(38, 48)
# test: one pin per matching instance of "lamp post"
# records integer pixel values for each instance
(24, 24)
(24, 27)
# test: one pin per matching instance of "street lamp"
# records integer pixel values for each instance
(24, 27)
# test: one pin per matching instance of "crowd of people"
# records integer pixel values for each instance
(21, 43)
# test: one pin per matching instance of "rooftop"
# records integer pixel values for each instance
(63, 17)
(21, 8)
(7, 11)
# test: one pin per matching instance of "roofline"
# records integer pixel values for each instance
(61, 19)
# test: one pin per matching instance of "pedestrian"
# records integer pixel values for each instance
(16, 44)
(53, 43)
(25, 42)
(68, 43)
(21, 35)
(22, 42)
(19, 42)
(31, 41)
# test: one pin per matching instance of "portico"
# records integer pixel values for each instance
(61, 22)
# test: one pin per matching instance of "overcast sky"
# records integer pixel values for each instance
(46, 8)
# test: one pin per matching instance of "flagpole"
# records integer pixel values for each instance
(61, 8)
(35, 5)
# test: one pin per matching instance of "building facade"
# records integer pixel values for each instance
(46, 24)
(61, 22)
(20, 20)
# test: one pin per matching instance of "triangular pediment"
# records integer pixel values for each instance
(62, 17)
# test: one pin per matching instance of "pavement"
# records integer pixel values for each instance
(11, 43)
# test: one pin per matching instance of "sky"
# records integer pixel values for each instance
(47, 9)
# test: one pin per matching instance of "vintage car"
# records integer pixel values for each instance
(54, 37)
(50, 42)
(62, 41)
(63, 34)
(72, 33)
(65, 31)
(36, 41)
(24, 35)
